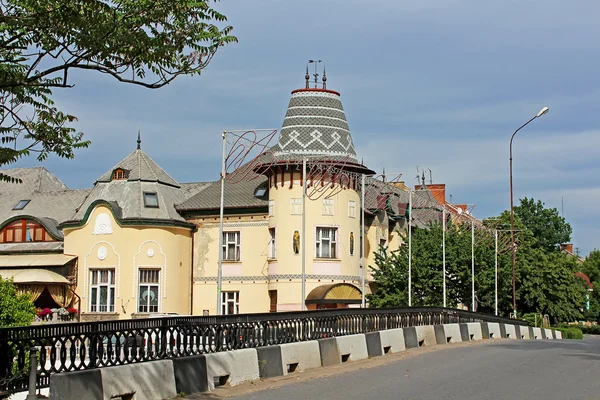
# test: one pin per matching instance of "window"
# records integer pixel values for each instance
(24, 230)
(231, 246)
(21, 204)
(296, 206)
(102, 290)
(327, 206)
(149, 284)
(271, 208)
(119, 174)
(326, 245)
(382, 247)
(260, 192)
(352, 209)
(272, 300)
(272, 244)
(230, 303)
(150, 200)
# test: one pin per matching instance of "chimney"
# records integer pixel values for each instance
(567, 246)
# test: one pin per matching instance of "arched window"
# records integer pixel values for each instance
(24, 230)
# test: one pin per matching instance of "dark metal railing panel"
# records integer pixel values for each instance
(81, 346)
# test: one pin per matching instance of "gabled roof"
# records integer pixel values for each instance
(140, 167)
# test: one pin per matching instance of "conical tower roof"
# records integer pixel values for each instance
(315, 125)
(140, 167)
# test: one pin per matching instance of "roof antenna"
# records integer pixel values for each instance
(423, 179)
(307, 77)
(316, 75)
(139, 141)
(324, 78)
(430, 178)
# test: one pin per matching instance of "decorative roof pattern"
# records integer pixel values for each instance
(140, 167)
(315, 125)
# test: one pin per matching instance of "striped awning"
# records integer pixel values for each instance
(335, 293)
(34, 260)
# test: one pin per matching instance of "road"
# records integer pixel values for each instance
(504, 369)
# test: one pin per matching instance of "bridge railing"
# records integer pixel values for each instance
(82, 346)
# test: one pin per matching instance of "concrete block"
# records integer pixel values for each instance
(147, 381)
(352, 347)
(452, 333)
(510, 332)
(374, 348)
(330, 354)
(410, 337)
(475, 330)
(543, 333)
(464, 332)
(232, 367)
(537, 333)
(548, 333)
(300, 356)
(531, 334)
(502, 330)
(190, 374)
(485, 330)
(426, 335)
(76, 385)
(494, 330)
(270, 363)
(558, 334)
(553, 334)
(518, 331)
(440, 335)
(392, 340)
(524, 332)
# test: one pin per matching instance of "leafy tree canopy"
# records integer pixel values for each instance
(142, 42)
(15, 309)
(546, 225)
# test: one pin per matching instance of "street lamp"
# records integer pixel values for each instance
(512, 213)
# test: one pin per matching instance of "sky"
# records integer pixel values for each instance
(428, 84)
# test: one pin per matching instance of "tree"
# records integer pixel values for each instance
(548, 227)
(15, 309)
(141, 42)
(591, 267)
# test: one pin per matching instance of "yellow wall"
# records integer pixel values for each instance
(126, 249)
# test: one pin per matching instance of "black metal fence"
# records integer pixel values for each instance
(81, 346)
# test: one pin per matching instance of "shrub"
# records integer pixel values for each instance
(590, 330)
(570, 332)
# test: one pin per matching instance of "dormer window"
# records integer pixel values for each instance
(21, 204)
(119, 174)
(150, 200)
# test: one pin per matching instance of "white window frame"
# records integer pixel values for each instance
(271, 208)
(272, 243)
(237, 243)
(351, 209)
(226, 300)
(94, 303)
(333, 241)
(328, 207)
(148, 285)
(296, 206)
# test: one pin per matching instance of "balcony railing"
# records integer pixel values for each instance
(81, 346)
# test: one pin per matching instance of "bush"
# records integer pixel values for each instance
(570, 332)
(590, 330)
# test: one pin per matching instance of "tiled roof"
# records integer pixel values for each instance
(191, 188)
(31, 247)
(237, 195)
(140, 168)
(50, 201)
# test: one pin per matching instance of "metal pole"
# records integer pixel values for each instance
(362, 241)
(496, 269)
(409, 247)
(512, 223)
(32, 374)
(472, 265)
(221, 207)
(303, 245)
(444, 249)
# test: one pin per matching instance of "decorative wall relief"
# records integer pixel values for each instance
(296, 244)
(351, 243)
(102, 225)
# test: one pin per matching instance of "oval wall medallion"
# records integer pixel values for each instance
(102, 253)
(150, 252)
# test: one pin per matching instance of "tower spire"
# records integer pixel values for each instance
(307, 77)
(139, 141)
(324, 78)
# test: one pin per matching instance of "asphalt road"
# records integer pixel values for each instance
(506, 369)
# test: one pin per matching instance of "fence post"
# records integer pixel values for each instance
(32, 373)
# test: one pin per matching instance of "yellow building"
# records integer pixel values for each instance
(140, 243)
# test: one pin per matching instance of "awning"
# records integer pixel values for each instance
(33, 275)
(335, 293)
(35, 260)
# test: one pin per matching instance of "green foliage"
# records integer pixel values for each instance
(15, 309)
(546, 281)
(570, 332)
(142, 42)
(591, 267)
(548, 228)
(590, 330)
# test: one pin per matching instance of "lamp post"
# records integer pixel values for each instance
(512, 213)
